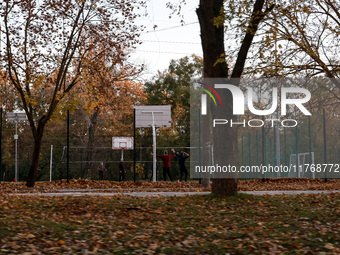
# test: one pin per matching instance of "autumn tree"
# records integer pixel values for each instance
(300, 36)
(8, 97)
(107, 89)
(48, 40)
(172, 87)
(8, 100)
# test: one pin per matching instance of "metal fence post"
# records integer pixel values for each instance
(1, 144)
(263, 146)
(257, 149)
(324, 142)
(68, 146)
(309, 141)
(285, 144)
(249, 151)
(274, 145)
(134, 144)
(297, 151)
(242, 150)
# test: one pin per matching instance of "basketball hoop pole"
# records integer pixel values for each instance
(154, 167)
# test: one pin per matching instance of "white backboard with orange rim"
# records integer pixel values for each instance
(122, 143)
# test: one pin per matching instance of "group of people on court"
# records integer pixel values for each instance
(166, 158)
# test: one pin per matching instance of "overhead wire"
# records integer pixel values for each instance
(168, 28)
(171, 42)
(167, 52)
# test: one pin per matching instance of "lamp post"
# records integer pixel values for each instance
(16, 117)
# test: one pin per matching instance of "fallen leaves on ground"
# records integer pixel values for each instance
(102, 186)
(289, 184)
(244, 224)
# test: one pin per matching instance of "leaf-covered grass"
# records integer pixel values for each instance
(299, 224)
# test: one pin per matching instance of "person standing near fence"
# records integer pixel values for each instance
(101, 170)
(181, 157)
(122, 170)
(166, 164)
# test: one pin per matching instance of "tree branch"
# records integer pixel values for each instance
(255, 19)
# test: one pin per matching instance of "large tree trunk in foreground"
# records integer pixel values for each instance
(215, 67)
(212, 36)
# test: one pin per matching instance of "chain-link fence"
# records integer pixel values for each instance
(314, 141)
(84, 159)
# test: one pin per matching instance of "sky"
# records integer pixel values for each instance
(169, 40)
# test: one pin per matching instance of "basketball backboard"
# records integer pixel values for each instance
(160, 115)
(122, 143)
(16, 116)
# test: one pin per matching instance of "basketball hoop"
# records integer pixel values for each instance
(122, 145)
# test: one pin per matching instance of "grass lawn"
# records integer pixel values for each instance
(299, 224)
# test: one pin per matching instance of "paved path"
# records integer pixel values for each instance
(289, 192)
(158, 194)
(131, 194)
